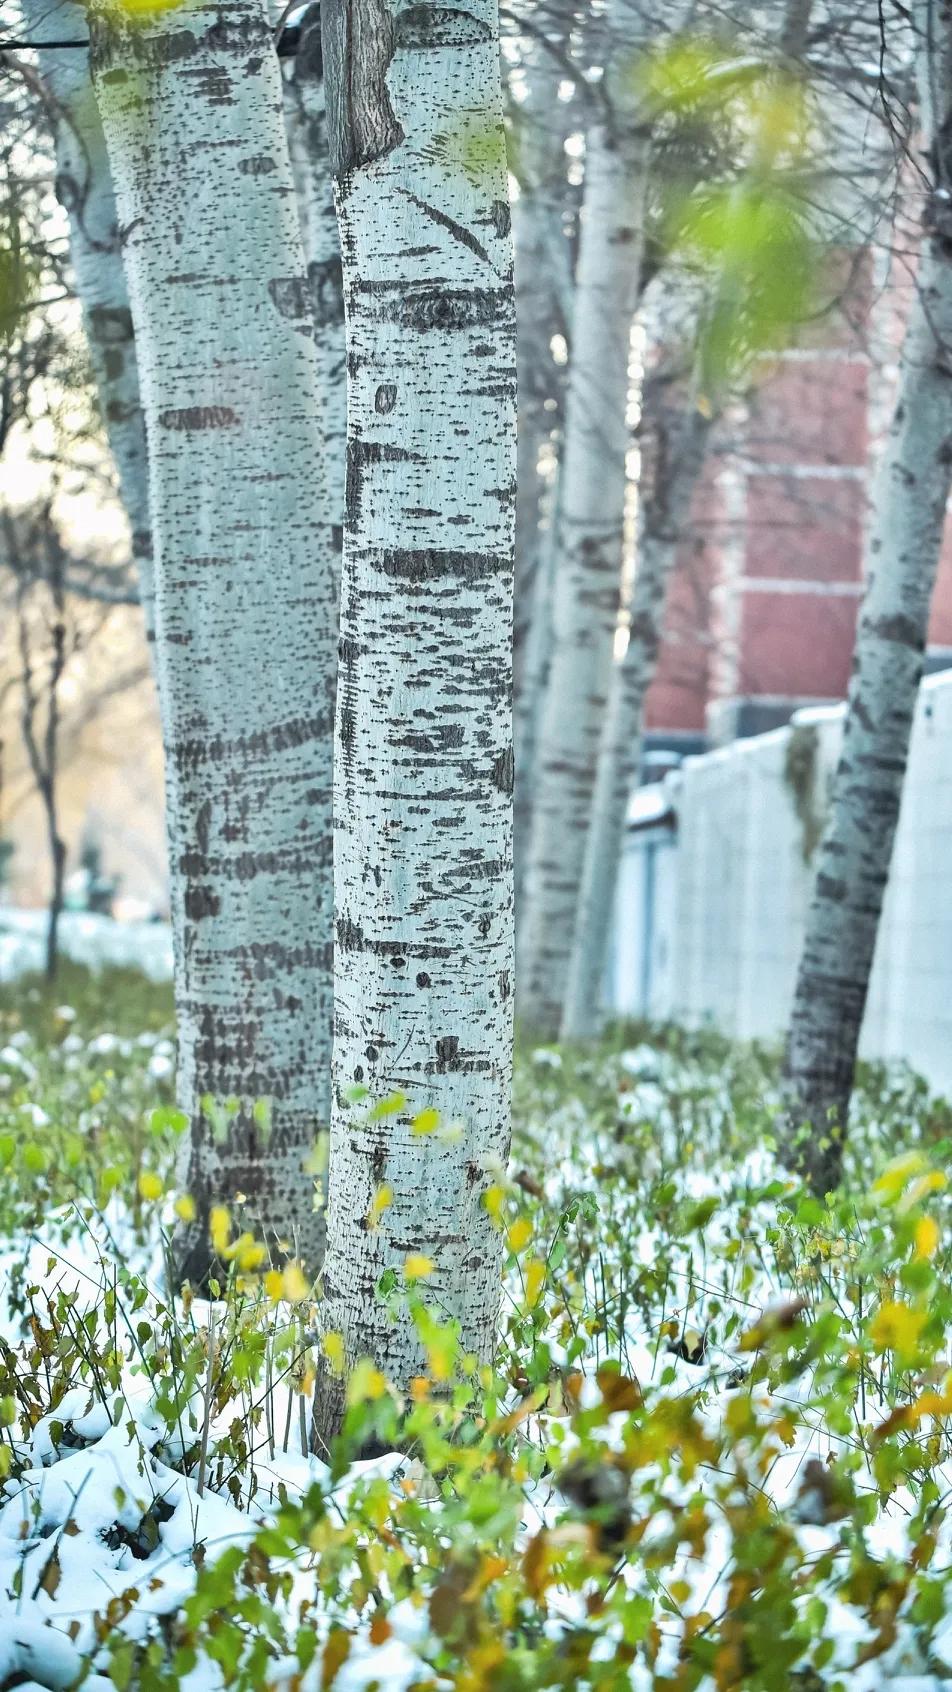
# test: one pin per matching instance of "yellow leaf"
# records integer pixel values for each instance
(897, 1327)
(249, 1253)
(927, 1236)
(366, 1383)
(332, 1346)
(416, 1267)
(897, 1173)
(274, 1284)
(219, 1227)
(142, 9)
(535, 1280)
(493, 1199)
(294, 1283)
(519, 1234)
(441, 1355)
(381, 1201)
(934, 1181)
(185, 1208)
(150, 1185)
(426, 1123)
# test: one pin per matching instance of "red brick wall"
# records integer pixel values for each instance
(763, 605)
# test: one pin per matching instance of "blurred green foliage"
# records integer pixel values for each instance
(736, 137)
(19, 270)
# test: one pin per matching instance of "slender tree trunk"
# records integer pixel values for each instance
(905, 535)
(84, 187)
(423, 782)
(543, 302)
(528, 702)
(305, 110)
(42, 743)
(245, 602)
(674, 436)
(587, 577)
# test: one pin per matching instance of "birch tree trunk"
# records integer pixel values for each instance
(585, 595)
(245, 604)
(674, 436)
(904, 539)
(543, 310)
(423, 772)
(305, 111)
(527, 708)
(84, 187)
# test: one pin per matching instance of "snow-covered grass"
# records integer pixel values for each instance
(86, 938)
(713, 1451)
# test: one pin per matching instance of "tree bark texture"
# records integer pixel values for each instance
(674, 437)
(543, 306)
(84, 187)
(191, 104)
(305, 110)
(904, 539)
(423, 769)
(585, 592)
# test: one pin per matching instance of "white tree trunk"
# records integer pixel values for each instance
(305, 111)
(904, 540)
(678, 438)
(588, 570)
(423, 781)
(84, 186)
(543, 306)
(245, 605)
(527, 705)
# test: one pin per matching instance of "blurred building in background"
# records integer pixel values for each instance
(762, 611)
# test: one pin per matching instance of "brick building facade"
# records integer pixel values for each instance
(762, 609)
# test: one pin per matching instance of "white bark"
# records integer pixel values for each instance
(423, 780)
(84, 186)
(543, 302)
(527, 704)
(903, 544)
(587, 577)
(305, 111)
(245, 605)
(674, 435)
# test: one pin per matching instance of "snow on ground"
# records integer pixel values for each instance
(85, 937)
(100, 1506)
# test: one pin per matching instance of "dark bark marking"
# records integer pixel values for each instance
(361, 453)
(458, 230)
(502, 218)
(351, 938)
(201, 902)
(110, 326)
(326, 283)
(292, 297)
(385, 398)
(309, 55)
(260, 164)
(431, 564)
(440, 26)
(440, 739)
(905, 631)
(447, 1052)
(432, 307)
(203, 826)
(357, 43)
(190, 754)
(192, 417)
(504, 770)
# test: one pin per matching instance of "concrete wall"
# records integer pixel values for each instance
(736, 883)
